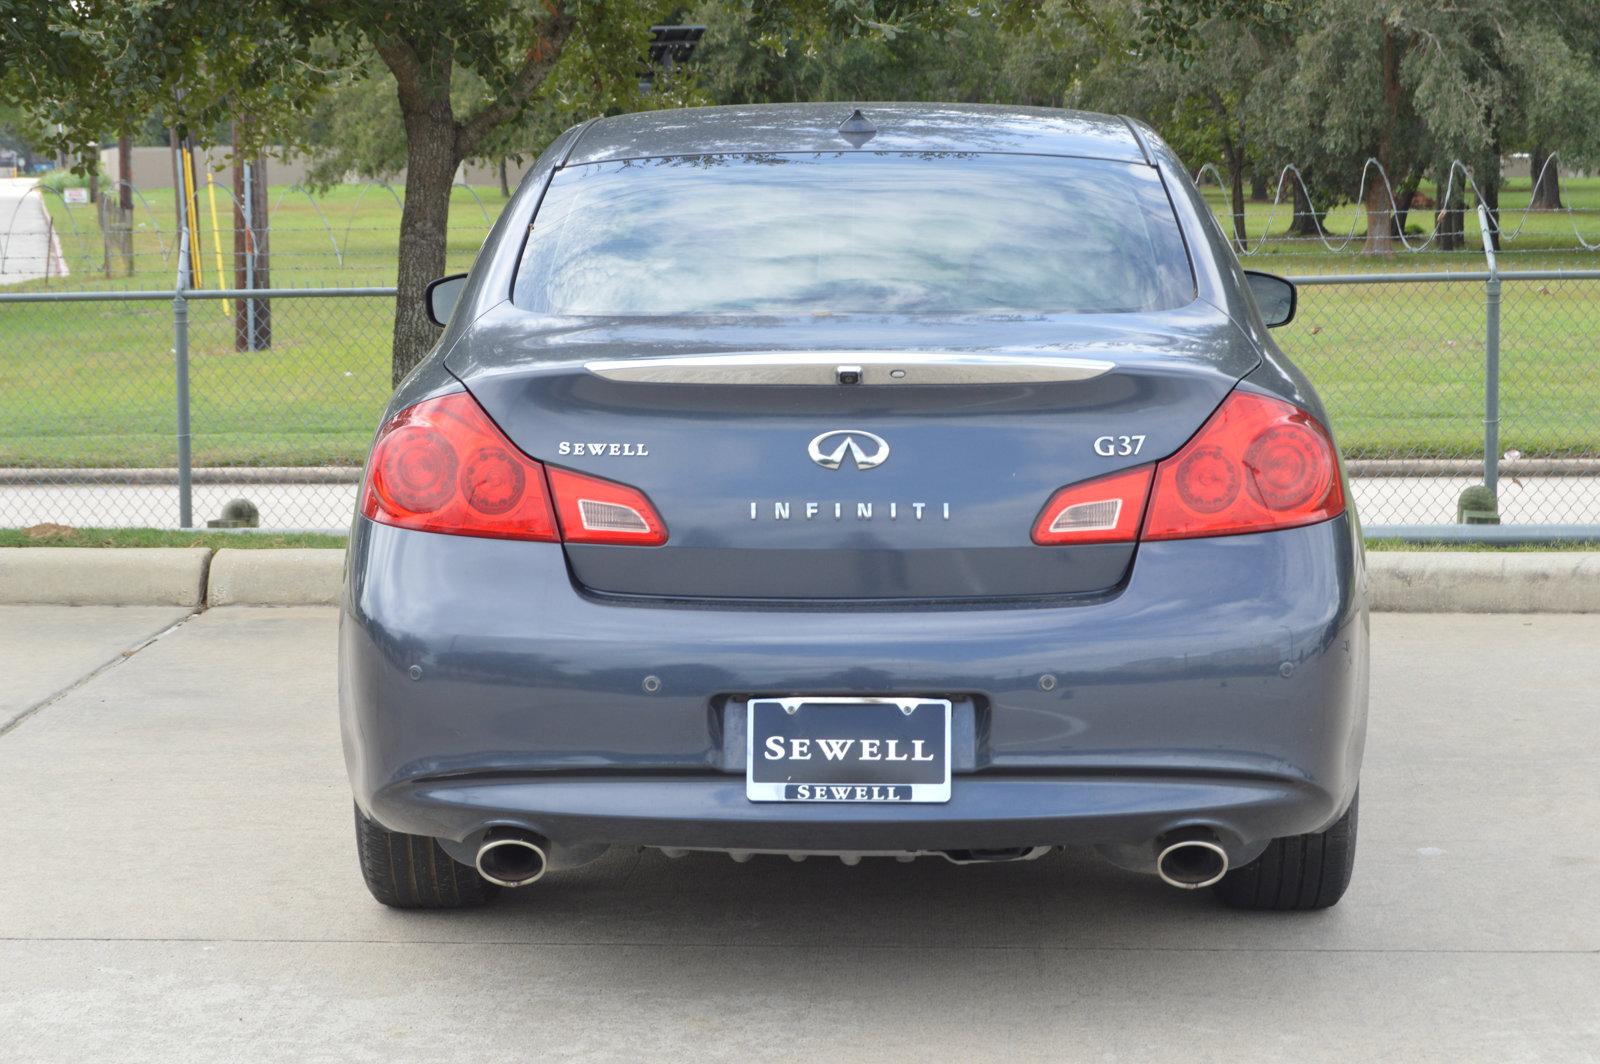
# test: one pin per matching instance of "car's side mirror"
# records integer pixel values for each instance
(1275, 297)
(441, 297)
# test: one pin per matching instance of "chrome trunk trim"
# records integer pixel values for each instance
(874, 368)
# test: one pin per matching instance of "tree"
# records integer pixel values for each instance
(89, 67)
(1552, 64)
(523, 52)
(1204, 72)
(511, 48)
(1200, 103)
(104, 64)
(1017, 53)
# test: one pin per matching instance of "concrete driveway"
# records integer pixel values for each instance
(179, 884)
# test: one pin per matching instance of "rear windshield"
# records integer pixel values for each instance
(926, 233)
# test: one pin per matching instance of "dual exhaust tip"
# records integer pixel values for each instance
(511, 857)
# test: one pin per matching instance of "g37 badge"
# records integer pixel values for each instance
(1117, 446)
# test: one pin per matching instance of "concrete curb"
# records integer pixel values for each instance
(90, 576)
(1485, 582)
(288, 577)
(1401, 581)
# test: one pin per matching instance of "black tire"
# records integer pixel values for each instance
(414, 872)
(1296, 874)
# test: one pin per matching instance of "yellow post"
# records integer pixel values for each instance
(216, 241)
(193, 215)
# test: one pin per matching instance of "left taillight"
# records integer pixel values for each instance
(444, 466)
(594, 510)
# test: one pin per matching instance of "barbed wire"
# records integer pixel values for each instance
(1457, 170)
(31, 246)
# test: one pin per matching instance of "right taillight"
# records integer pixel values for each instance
(1257, 464)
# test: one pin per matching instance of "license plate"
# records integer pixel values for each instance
(848, 750)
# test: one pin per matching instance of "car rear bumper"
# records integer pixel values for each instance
(1224, 685)
(984, 813)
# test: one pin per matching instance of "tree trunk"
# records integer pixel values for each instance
(435, 145)
(1490, 192)
(1403, 201)
(261, 243)
(125, 173)
(1258, 186)
(1234, 158)
(1380, 224)
(1449, 225)
(505, 185)
(1546, 177)
(252, 318)
(177, 182)
(431, 163)
(1236, 188)
(1305, 222)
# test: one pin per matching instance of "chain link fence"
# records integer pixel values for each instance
(1402, 362)
(89, 410)
(89, 413)
(1435, 380)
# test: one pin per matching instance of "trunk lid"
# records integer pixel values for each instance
(921, 482)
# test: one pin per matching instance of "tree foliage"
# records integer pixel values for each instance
(380, 86)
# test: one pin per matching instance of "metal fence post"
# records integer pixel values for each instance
(180, 357)
(1491, 360)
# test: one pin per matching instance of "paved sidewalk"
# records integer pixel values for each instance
(180, 885)
(26, 248)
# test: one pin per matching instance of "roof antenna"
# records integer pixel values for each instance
(856, 129)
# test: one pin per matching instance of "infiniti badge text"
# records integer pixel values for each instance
(860, 511)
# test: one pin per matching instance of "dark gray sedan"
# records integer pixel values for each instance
(911, 480)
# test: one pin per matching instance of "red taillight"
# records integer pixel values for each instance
(1257, 464)
(593, 510)
(443, 466)
(1104, 510)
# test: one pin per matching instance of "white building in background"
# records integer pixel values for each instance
(152, 167)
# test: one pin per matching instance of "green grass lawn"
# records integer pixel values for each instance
(90, 384)
(63, 536)
(347, 236)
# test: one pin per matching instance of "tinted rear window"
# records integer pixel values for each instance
(927, 233)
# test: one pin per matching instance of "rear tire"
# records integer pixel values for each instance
(413, 871)
(1296, 874)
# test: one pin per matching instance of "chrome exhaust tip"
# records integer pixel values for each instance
(1191, 864)
(509, 857)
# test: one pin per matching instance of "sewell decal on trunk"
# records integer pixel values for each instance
(619, 450)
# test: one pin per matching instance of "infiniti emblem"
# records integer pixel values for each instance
(867, 449)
